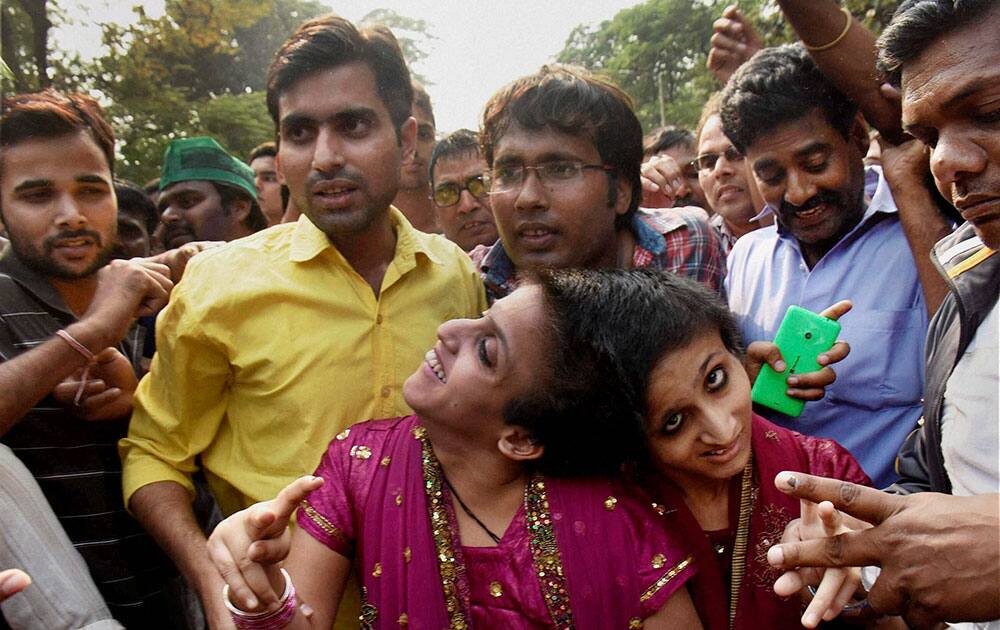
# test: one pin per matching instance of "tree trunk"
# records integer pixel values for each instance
(40, 25)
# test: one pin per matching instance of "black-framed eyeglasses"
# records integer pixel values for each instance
(448, 194)
(707, 161)
(507, 177)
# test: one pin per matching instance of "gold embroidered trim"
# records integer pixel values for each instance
(449, 567)
(322, 523)
(545, 553)
(665, 579)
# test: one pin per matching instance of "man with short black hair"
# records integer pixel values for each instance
(68, 349)
(835, 223)
(206, 194)
(265, 178)
(940, 555)
(565, 150)
(681, 145)
(460, 191)
(414, 196)
(725, 180)
(275, 343)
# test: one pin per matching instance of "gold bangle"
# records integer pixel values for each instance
(847, 27)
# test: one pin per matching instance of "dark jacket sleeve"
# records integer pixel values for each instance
(911, 464)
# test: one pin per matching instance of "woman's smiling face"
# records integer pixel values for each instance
(698, 412)
(479, 365)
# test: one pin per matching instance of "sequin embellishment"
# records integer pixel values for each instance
(545, 553)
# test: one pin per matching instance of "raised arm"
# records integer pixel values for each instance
(125, 290)
(250, 548)
(845, 51)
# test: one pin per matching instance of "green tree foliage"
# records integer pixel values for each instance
(414, 36)
(25, 27)
(200, 69)
(658, 42)
(667, 41)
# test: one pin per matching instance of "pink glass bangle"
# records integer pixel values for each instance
(273, 620)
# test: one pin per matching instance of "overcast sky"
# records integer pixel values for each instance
(481, 44)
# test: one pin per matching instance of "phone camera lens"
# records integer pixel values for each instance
(809, 335)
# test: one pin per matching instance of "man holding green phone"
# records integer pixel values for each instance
(837, 236)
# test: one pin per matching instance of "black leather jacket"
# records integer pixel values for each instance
(973, 277)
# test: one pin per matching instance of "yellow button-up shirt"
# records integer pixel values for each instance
(273, 344)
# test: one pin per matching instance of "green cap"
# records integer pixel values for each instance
(203, 158)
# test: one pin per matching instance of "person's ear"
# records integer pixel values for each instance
(408, 141)
(239, 208)
(518, 444)
(623, 196)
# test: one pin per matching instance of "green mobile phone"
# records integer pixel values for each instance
(802, 337)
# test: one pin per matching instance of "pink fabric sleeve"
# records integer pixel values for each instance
(663, 561)
(327, 514)
(827, 458)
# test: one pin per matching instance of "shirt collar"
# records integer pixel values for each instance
(646, 237)
(308, 241)
(32, 281)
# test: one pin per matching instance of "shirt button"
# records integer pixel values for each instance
(386, 391)
(378, 319)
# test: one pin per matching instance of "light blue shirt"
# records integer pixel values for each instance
(875, 401)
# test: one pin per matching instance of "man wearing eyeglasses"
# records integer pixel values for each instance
(459, 191)
(725, 180)
(565, 150)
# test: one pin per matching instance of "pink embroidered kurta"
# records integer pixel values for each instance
(579, 553)
(774, 449)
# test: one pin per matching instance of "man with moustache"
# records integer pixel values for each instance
(723, 177)
(206, 194)
(275, 343)
(460, 191)
(939, 554)
(265, 178)
(66, 330)
(414, 196)
(837, 236)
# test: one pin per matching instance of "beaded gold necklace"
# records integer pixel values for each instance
(742, 537)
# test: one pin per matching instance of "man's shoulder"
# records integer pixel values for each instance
(262, 246)
(666, 220)
(441, 250)
(751, 242)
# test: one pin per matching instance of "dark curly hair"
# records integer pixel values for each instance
(776, 86)
(608, 329)
(917, 24)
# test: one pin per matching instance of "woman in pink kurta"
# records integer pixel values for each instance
(490, 508)
(702, 454)
(581, 553)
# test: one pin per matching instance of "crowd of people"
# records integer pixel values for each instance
(378, 375)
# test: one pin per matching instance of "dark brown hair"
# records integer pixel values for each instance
(573, 101)
(53, 114)
(330, 41)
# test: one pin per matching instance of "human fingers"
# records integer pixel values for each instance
(810, 385)
(873, 506)
(246, 594)
(830, 517)
(291, 496)
(837, 353)
(270, 551)
(848, 588)
(65, 392)
(823, 598)
(727, 42)
(269, 519)
(95, 402)
(838, 310)
(790, 583)
(13, 581)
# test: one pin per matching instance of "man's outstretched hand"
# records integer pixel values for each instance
(940, 554)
